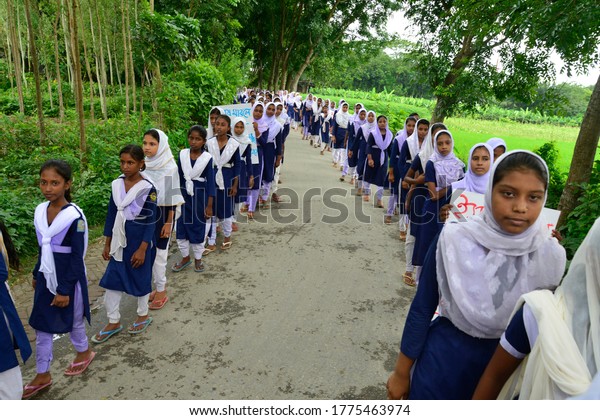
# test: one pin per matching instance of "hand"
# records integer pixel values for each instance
(556, 234)
(251, 182)
(333, 139)
(166, 230)
(106, 252)
(350, 154)
(398, 386)
(445, 212)
(33, 283)
(371, 163)
(232, 192)
(391, 177)
(138, 258)
(208, 212)
(60, 301)
(278, 162)
(405, 185)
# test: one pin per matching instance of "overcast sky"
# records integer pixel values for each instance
(400, 25)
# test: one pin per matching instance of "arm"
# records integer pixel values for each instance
(411, 177)
(498, 371)
(108, 227)
(430, 181)
(211, 188)
(236, 173)
(369, 150)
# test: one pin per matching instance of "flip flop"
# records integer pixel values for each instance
(181, 266)
(226, 245)
(158, 304)
(409, 280)
(84, 365)
(32, 390)
(105, 335)
(201, 269)
(145, 324)
(206, 252)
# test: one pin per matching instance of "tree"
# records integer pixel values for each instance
(36, 72)
(16, 54)
(75, 55)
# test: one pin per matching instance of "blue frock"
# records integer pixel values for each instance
(223, 204)
(191, 225)
(359, 148)
(325, 125)
(448, 362)
(120, 275)
(70, 270)
(394, 165)
(417, 200)
(339, 133)
(403, 165)
(352, 161)
(378, 174)
(245, 173)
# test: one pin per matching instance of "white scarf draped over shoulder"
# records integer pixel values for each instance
(413, 143)
(62, 221)
(342, 118)
(243, 140)
(193, 173)
(473, 182)
(129, 206)
(161, 170)
(482, 270)
(382, 142)
(449, 168)
(220, 159)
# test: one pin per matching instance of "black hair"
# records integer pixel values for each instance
(422, 122)
(381, 116)
(438, 126)
(135, 151)
(63, 169)
(411, 118)
(413, 115)
(11, 251)
(215, 111)
(201, 130)
(152, 132)
(520, 161)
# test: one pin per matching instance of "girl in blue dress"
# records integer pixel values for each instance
(226, 163)
(476, 271)
(60, 302)
(129, 246)
(360, 119)
(325, 124)
(260, 127)
(197, 180)
(306, 113)
(396, 174)
(359, 148)
(246, 176)
(378, 145)
(339, 131)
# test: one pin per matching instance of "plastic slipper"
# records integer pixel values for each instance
(158, 303)
(207, 251)
(181, 266)
(226, 245)
(32, 390)
(84, 365)
(409, 280)
(145, 324)
(388, 220)
(105, 335)
(199, 269)
(151, 297)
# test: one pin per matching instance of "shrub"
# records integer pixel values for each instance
(549, 152)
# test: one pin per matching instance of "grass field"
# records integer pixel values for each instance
(468, 131)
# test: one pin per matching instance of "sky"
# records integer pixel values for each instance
(402, 26)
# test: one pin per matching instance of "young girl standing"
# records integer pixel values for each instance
(226, 162)
(12, 333)
(360, 119)
(396, 174)
(129, 247)
(197, 179)
(306, 114)
(498, 145)
(246, 175)
(325, 124)
(161, 170)
(60, 303)
(476, 271)
(378, 146)
(339, 129)
(359, 148)
(261, 132)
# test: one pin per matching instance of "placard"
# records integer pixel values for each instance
(243, 111)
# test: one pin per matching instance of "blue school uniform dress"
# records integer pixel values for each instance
(448, 362)
(191, 225)
(359, 148)
(430, 225)
(245, 173)
(403, 165)
(378, 174)
(352, 161)
(270, 152)
(290, 110)
(68, 250)
(325, 125)
(12, 333)
(120, 275)
(418, 198)
(257, 169)
(315, 126)
(223, 204)
(339, 133)
(307, 115)
(394, 165)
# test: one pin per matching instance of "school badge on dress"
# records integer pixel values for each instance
(153, 197)
(80, 226)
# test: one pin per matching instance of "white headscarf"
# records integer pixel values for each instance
(221, 158)
(161, 170)
(272, 123)
(449, 168)
(482, 270)
(497, 141)
(358, 122)
(243, 140)
(473, 182)
(427, 148)
(413, 142)
(367, 127)
(342, 118)
(380, 141)
(263, 124)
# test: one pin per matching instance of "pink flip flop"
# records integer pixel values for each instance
(84, 365)
(32, 390)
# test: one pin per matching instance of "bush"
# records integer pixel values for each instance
(549, 152)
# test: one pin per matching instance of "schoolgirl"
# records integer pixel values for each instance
(395, 175)
(378, 144)
(442, 169)
(350, 169)
(481, 159)
(359, 148)
(226, 163)
(498, 145)
(307, 116)
(260, 126)
(325, 124)
(289, 106)
(246, 176)
(272, 152)
(212, 118)
(284, 122)
(314, 127)
(476, 271)
(297, 111)
(339, 129)
(558, 332)
(12, 333)
(60, 302)
(129, 247)
(161, 171)
(197, 180)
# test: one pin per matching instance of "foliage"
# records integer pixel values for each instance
(176, 103)
(549, 152)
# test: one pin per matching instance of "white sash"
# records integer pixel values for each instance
(220, 159)
(63, 220)
(190, 173)
(119, 240)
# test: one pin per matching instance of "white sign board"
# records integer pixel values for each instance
(243, 111)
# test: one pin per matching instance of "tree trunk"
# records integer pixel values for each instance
(16, 55)
(11, 70)
(131, 67)
(66, 26)
(99, 66)
(307, 61)
(21, 48)
(36, 73)
(78, 81)
(125, 60)
(583, 156)
(61, 105)
(88, 68)
(110, 63)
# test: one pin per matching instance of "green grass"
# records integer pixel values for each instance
(468, 131)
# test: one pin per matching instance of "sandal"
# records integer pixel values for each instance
(32, 390)
(105, 335)
(387, 220)
(226, 245)
(207, 250)
(199, 266)
(84, 365)
(250, 216)
(177, 267)
(403, 236)
(409, 279)
(158, 303)
(144, 324)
